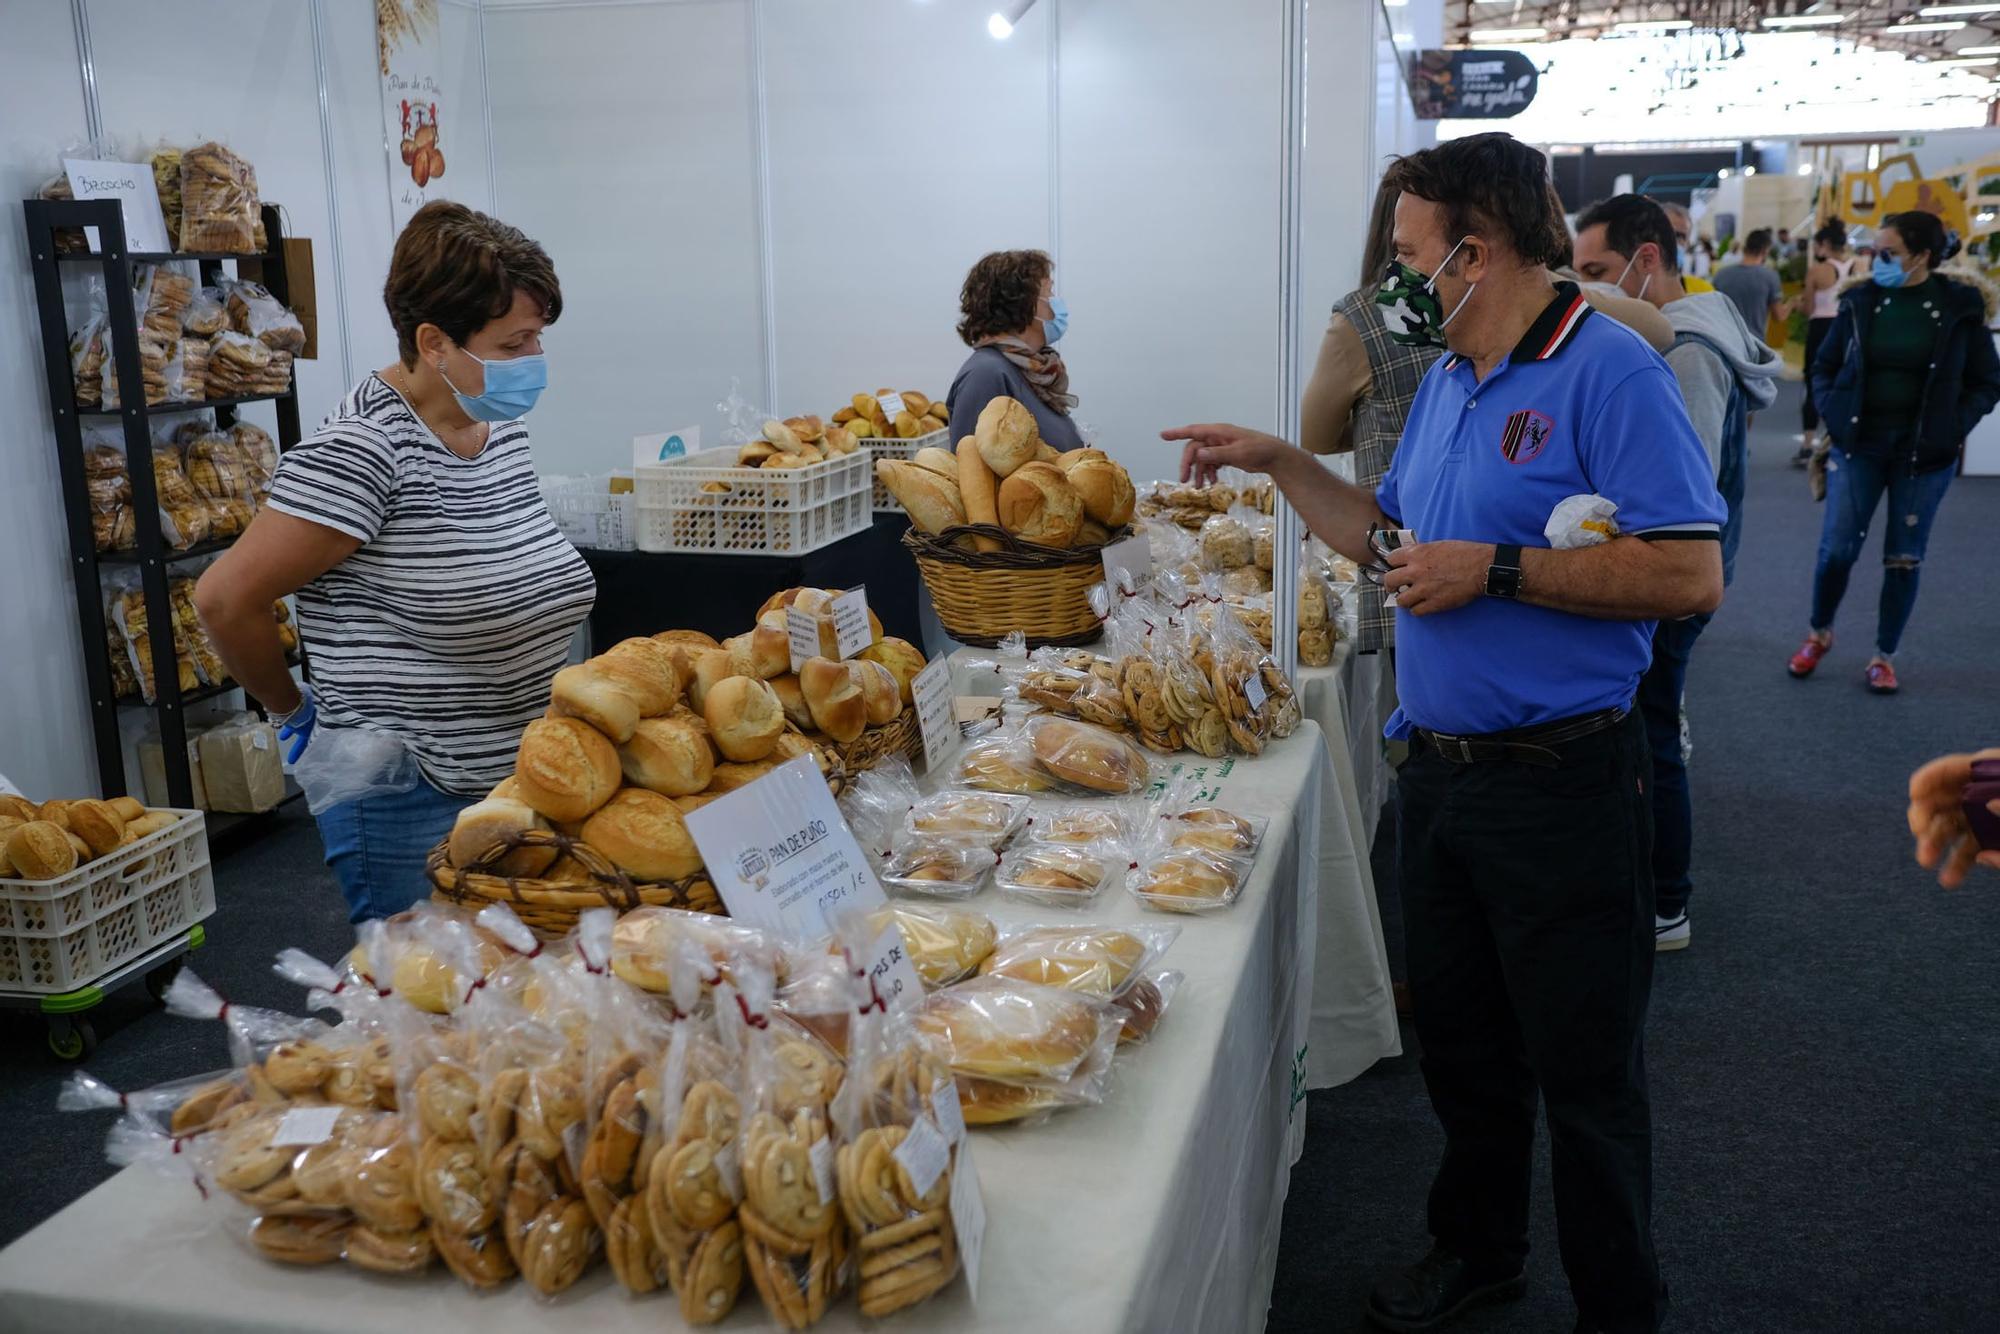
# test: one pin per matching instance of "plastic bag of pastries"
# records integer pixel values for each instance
(1107, 826)
(793, 1238)
(945, 945)
(1226, 544)
(254, 311)
(188, 628)
(218, 201)
(205, 315)
(187, 373)
(127, 607)
(239, 365)
(1183, 820)
(1088, 758)
(255, 1034)
(156, 350)
(1188, 880)
(1018, 1050)
(1061, 877)
(1002, 763)
(1049, 682)
(875, 801)
(937, 867)
(648, 944)
(161, 294)
(1099, 961)
(89, 353)
(166, 164)
(1317, 605)
(988, 819)
(108, 483)
(259, 454)
(181, 1107)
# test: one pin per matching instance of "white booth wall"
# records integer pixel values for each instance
(779, 194)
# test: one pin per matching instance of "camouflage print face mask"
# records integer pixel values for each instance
(1410, 306)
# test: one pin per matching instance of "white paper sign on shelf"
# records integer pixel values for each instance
(785, 861)
(891, 405)
(930, 691)
(851, 629)
(968, 1215)
(663, 445)
(131, 184)
(1133, 558)
(803, 631)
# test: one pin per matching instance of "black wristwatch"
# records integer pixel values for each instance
(1503, 576)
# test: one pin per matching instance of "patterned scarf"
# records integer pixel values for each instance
(1044, 370)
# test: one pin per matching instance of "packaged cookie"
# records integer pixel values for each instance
(179, 1107)
(254, 1034)
(1059, 876)
(938, 868)
(219, 206)
(1099, 961)
(628, 1035)
(89, 352)
(988, 819)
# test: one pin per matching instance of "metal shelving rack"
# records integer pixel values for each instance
(151, 555)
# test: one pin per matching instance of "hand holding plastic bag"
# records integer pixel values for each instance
(342, 764)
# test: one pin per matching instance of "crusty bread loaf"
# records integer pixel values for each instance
(670, 755)
(902, 659)
(565, 768)
(1105, 487)
(744, 718)
(41, 850)
(979, 489)
(1037, 504)
(584, 692)
(944, 463)
(932, 501)
(694, 637)
(1006, 435)
(761, 653)
(662, 669)
(100, 827)
(792, 699)
(128, 808)
(730, 775)
(486, 824)
(644, 836)
(880, 694)
(833, 694)
(710, 665)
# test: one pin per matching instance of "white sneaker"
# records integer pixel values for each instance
(1670, 933)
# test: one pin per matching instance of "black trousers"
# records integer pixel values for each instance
(1816, 332)
(1528, 917)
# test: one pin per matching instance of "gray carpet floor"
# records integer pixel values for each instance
(1823, 1059)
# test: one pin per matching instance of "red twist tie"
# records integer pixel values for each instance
(201, 1187)
(477, 983)
(754, 1020)
(594, 970)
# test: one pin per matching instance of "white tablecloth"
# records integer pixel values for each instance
(1158, 1211)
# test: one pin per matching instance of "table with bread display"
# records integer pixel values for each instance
(609, 1074)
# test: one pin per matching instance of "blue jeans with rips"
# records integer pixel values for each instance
(1855, 485)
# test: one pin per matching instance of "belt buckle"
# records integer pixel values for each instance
(1455, 748)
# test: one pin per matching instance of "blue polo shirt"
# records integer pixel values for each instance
(1582, 405)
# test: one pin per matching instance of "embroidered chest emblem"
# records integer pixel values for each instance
(1526, 433)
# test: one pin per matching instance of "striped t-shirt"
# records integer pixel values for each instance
(446, 625)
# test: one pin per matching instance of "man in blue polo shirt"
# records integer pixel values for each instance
(1525, 826)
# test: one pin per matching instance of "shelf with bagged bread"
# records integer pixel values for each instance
(128, 345)
(1007, 532)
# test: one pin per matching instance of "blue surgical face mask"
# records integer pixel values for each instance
(512, 386)
(1887, 272)
(1055, 327)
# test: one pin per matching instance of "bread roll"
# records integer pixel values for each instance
(565, 768)
(753, 454)
(22, 809)
(1105, 487)
(692, 637)
(128, 808)
(840, 440)
(661, 671)
(794, 745)
(710, 666)
(1088, 756)
(695, 801)
(81, 848)
(644, 836)
(942, 462)
(152, 822)
(584, 691)
(1091, 533)
(792, 699)
(1097, 961)
(880, 693)
(486, 824)
(1006, 435)
(1037, 504)
(999, 1028)
(55, 811)
(100, 827)
(761, 654)
(670, 755)
(744, 718)
(902, 659)
(979, 489)
(833, 695)
(730, 775)
(41, 850)
(1046, 452)
(932, 501)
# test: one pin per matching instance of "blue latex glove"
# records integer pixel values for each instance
(297, 726)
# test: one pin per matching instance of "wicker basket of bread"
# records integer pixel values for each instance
(1007, 533)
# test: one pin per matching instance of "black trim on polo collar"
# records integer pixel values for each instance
(1552, 330)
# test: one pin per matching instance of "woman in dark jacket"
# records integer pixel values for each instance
(1905, 373)
(1011, 318)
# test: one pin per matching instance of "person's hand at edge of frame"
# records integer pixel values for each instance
(1431, 577)
(1212, 446)
(1937, 818)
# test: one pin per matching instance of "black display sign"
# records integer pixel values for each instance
(1471, 85)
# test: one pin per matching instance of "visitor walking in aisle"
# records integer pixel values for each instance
(1752, 282)
(1830, 267)
(1902, 377)
(1523, 814)
(1725, 373)
(436, 596)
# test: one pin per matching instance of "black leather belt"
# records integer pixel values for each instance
(1527, 745)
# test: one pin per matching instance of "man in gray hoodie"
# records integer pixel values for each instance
(1725, 374)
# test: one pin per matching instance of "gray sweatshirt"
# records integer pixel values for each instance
(1705, 378)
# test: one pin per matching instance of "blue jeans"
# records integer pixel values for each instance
(376, 847)
(1854, 486)
(1659, 701)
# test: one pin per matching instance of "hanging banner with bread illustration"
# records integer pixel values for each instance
(406, 33)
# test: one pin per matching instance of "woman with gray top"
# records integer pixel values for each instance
(1011, 318)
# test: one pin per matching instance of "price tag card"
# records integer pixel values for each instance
(803, 630)
(851, 629)
(131, 184)
(950, 1116)
(930, 690)
(1253, 690)
(891, 405)
(1128, 565)
(968, 1216)
(821, 1155)
(664, 445)
(305, 1125)
(923, 1154)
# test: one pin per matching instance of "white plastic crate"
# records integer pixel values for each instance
(756, 511)
(588, 514)
(900, 449)
(59, 935)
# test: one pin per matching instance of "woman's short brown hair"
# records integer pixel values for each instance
(1001, 293)
(458, 269)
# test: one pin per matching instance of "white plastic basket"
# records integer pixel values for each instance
(588, 514)
(900, 449)
(63, 934)
(758, 511)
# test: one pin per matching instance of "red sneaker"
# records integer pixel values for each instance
(1808, 657)
(1881, 678)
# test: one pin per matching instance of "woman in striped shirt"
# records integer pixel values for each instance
(436, 596)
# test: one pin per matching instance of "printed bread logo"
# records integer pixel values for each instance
(1527, 431)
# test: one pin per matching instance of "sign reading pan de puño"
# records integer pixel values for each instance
(1474, 85)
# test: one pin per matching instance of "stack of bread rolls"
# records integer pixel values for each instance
(794, 443)
(868, 419)
(654, 728)
(49, 839)
(1004, 475)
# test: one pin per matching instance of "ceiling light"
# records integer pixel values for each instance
(1654, 25)
(1803, 20)
(1946, 25)
(1946, 11)
(1001, 23)
(1508, 34)
(1975, 60)
(1805, 169)
(1749, 171)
